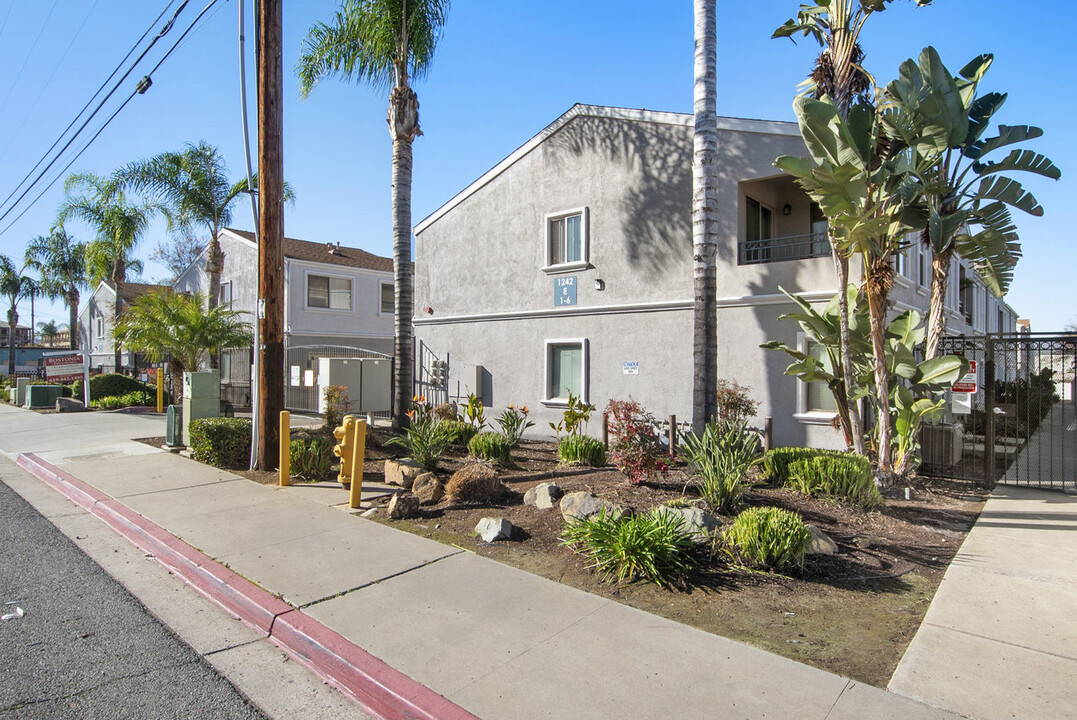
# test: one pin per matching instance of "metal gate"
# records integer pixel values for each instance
(1021, 425)
(301, 373)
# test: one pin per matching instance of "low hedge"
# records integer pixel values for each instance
(114, 384)
(776, 462)
(845, 477)
(223, 442)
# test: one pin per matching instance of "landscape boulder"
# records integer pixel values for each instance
(402, 472)
(698, 523)
(543, 495)
(582, 505)
(64, 404)
(428, 489)
(491, 529)
(821, 544)
(402, 505)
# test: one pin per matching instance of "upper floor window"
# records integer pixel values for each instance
(100, 327)
(567, 241)
(225, 298)
(388, 299)
(327, 291)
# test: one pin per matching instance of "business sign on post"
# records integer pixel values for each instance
(967, 384)
(63, 368)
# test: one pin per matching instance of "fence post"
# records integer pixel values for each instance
(672, 435)
(768, 434)
(285, 460)
(606, 430)
(989, 414)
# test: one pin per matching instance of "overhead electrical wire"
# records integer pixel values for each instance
(88, 103)
(142, 87)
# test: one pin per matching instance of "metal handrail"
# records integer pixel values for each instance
(791, 247)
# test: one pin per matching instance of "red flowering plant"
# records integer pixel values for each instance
(634, 446)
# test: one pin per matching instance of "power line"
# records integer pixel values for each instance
(142, 86)
(88, 103)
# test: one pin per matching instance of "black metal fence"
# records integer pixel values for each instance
(1019, 427)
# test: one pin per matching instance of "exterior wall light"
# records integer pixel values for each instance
(600, 284)
(787, 209)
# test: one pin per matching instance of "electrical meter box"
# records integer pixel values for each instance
(201, 397)
(369, 382)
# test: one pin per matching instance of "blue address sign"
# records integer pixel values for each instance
(564, 291)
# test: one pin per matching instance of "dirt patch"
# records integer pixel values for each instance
(853, 613)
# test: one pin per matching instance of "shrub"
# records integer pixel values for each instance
(223, 442)
(138, 398)
(460, 432)
(473, 412)
(513, 422)
(635, 449)
(768, 537)
(445, 411)
(776, 462)
(311, 458)
(337, 404)
(112, 384)
(653, 546)
(576, 414)
(581, 450)
(719, 459)
(491, 446)
(425, 440)
(735, 403)
(844, 477)
(475, 482)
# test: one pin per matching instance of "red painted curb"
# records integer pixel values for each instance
(382, 690)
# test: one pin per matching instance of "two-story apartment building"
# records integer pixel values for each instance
(97, 318)
(567, 268)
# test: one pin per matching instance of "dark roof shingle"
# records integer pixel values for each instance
(319, 252)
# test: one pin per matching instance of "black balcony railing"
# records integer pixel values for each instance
(795, 247)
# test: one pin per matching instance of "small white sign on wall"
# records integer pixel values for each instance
(295, 376)
(961, 403)
(630, 367)
(308, 378)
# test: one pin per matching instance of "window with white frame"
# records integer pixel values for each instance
(815, 401)
(566, 369)
(567, 239)
(388, 300)
(100, 327)
(225, 297)
(329, 291)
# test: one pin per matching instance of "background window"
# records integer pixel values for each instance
(100, 328)
(565, 370)
(566, 239)
(334, 293)
(387, 300)
(225, 299)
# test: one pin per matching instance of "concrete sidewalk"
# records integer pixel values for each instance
(496, 641)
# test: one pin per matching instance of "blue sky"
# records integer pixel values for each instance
(504, 70)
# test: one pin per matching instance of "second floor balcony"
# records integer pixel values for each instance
(777, 249)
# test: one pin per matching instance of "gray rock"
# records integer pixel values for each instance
(369, 513)
(490, 529)
(69, 405)
(428, 489)
(698, 523)
(821, 544)
(402, 472)
(544, 495)
(584, 505)
(402, 505)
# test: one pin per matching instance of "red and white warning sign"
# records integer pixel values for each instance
(967, 384)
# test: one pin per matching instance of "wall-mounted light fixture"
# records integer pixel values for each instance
(600, 284)
(787, 209)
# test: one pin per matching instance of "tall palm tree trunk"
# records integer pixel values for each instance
(214, 267)
(936, 314)
(705, 217)
(851, 414)
(12, 324)
(403, 118)
(73, 317)
(877, 287)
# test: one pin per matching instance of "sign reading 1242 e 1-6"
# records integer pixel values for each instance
(564, 291)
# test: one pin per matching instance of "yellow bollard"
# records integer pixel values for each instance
(355, 495)
(285, 460)
(160, 390)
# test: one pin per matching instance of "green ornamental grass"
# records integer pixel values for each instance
(719, 459)
(653, 546)
(491, 446)
(842, 477)
(581, 450)
(768, 537)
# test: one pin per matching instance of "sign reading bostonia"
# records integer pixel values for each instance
(63, 368)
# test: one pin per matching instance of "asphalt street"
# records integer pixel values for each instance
(81, 646)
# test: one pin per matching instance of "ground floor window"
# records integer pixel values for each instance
(566, 369)
(815, 401)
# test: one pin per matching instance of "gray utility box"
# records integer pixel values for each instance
(174, 426)
(201, 398)
(369, 382)
(43, 396)
(20, 390)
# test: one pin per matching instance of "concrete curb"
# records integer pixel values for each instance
(381, 690)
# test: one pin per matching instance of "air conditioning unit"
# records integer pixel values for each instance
(174, 426)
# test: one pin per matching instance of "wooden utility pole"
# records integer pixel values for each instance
(270, 233)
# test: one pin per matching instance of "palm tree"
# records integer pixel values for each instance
(165, 324)
(49, 329)
(61, 262)
(384, 43)
(705, 218)
(13, 287)
(191, 188)
(119, 224)
(943, 121)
